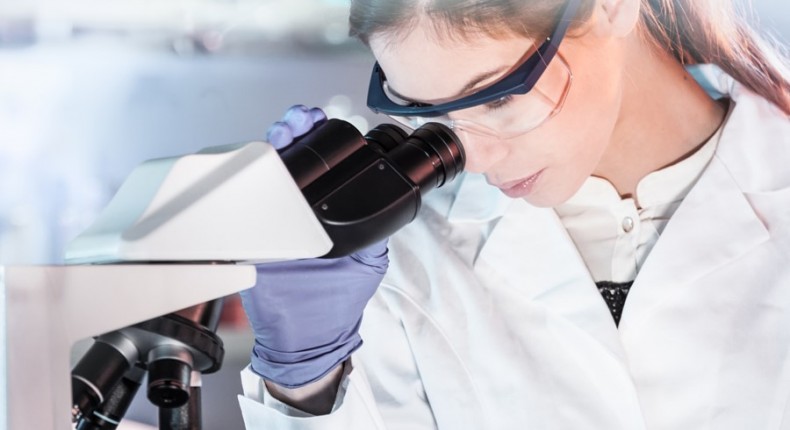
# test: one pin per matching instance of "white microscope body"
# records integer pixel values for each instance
(229, 204)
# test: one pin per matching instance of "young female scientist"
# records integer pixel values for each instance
(616, 257)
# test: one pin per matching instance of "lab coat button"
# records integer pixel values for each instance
(628, 224)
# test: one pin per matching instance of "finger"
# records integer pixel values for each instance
(279, 135)
(317, 114)
(372, 255)
(300, 120)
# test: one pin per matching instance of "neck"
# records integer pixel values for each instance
(664, 117)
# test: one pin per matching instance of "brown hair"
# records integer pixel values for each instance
(694, 31)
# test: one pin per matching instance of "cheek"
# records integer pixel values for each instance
(594, 105)
(585, 131)
(590, 112)
(574, 141)
(482, 152)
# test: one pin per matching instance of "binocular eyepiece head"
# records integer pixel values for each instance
(364, 188)
(428, 157)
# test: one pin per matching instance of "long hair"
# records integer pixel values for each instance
(693, 31)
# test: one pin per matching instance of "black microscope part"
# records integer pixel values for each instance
(364, 188)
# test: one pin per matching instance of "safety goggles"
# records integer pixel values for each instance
(519, 102)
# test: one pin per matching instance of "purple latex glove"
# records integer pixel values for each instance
(306, 313)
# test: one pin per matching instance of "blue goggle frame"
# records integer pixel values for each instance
(520, 81)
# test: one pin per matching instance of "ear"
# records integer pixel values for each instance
(621, 16)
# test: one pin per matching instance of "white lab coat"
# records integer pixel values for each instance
(488, 318)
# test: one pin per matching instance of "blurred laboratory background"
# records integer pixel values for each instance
(91, 88)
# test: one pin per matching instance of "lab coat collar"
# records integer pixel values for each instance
(715, 81)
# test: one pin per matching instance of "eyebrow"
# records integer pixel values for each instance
(477, 79)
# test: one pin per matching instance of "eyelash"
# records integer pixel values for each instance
(499, 103)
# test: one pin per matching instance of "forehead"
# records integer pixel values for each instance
(421, 66)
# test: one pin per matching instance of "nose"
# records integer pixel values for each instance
(482, 152)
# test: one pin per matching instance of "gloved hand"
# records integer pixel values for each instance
(297, 121)
(306, 313)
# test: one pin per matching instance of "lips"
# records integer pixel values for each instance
(520, 187)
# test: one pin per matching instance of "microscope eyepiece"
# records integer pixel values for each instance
(430, 157)
(364, 188)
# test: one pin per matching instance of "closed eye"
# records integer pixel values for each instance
(499, 103)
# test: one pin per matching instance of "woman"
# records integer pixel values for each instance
(622, 175)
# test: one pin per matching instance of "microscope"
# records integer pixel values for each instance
(188, 230)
